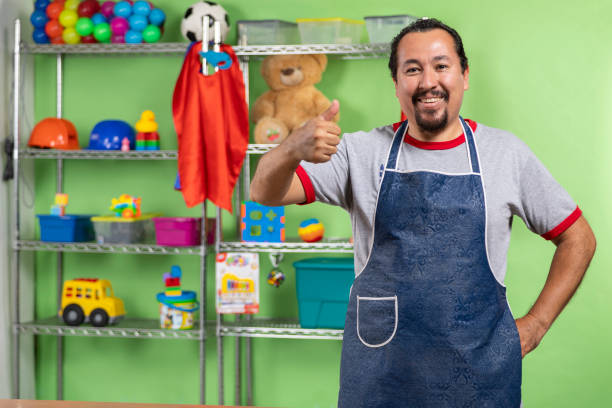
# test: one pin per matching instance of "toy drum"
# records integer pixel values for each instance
(176, 312)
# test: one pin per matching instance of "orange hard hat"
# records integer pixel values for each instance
(54, 133)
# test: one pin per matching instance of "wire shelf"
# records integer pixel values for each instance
(98, 154)
(92, 247)
(276, 328)
(127, 328)
(351, 51)
(331, 245)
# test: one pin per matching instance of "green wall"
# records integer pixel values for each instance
(539, 69)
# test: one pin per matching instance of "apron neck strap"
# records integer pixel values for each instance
(400, 134)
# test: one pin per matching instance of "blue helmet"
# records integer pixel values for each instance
(108, 134)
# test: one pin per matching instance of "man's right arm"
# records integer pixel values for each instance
(275, 182)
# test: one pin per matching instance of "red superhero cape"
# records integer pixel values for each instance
(212, 125)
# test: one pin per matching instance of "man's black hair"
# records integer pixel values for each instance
(420, 26)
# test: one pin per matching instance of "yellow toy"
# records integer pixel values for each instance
(292, 99)
(90, 300)
(126, 206)
(147, 123)
(311, 230)
(59, 207)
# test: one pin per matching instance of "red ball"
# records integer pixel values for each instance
(54, 29)
(57, 40)
(88, 39)
(54, 9)
(88, 8)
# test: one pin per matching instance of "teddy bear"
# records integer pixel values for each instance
(292, 99)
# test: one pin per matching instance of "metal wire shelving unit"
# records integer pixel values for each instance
(244, 327)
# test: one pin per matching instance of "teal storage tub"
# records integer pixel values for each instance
(323, 286)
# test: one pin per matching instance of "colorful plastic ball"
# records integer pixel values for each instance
(54, 9)
(71, 5)
(151, 34)
(88, 8)
(71, 36)
(118, 38)
(142, 8)
(53, 29)
(41, 4)
(38, 19)
(68, 18)
(311, 230)
(88, 39)
(119, 26)
(102, 32)
(84, 26)
(137, 22)
(122, 9)
(57, 40)
(98, 18)
(39, 36)
(133, 37)
(157, 17)
(107, 8)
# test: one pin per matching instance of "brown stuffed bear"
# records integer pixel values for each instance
(292, 98)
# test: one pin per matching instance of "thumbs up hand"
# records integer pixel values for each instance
(317, 139)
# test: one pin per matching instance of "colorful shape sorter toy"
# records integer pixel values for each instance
(261, 223)
(172, 281)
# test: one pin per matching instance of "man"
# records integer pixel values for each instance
(428, 323)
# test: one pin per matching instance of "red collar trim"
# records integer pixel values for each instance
(449, 144)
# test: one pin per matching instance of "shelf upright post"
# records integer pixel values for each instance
(203, 238)
(15, 264)
(60, 254)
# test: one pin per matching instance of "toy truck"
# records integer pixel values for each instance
(90, 300)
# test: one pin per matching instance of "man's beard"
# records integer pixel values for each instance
(431, 125)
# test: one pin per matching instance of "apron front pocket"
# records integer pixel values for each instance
(376, 320)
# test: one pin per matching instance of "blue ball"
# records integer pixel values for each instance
(41, 4)
(142, 8)
(98, 18)
(39, 36)
(122, 9)
(39, 18)
(133, 37)
(138, 22)
(157, 17)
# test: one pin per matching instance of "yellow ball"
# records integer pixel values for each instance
(68, 18)
(70, 36)
(72, 5)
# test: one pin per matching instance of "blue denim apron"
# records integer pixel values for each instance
(428, 325)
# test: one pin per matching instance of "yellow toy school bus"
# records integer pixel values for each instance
(90, 300)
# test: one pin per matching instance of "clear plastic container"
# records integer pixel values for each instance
(117, 230)
(382, 29)
(267, 32)
(330, 30)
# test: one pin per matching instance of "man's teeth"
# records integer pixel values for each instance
(431, 100)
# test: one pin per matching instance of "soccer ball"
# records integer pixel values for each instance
(191, 25)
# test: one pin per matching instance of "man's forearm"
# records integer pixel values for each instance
(575, 249)
(273, 177)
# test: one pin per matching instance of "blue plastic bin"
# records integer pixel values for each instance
(66, 228)
(323, 286)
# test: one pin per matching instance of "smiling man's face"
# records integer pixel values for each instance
(430, 83)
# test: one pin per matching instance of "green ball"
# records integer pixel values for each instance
(151, 34)
(102, 32)
(84, 26)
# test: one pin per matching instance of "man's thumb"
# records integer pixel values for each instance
(333, 109)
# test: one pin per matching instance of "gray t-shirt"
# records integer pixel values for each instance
(515, 183)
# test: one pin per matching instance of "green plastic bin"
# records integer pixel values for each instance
(323, 286)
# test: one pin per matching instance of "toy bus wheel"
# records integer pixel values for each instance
(127, 213)
(73, 315)
(98, 318)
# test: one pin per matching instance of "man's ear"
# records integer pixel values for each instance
(466, 78)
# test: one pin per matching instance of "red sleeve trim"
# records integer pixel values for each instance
(307, 184)
(565, 224)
